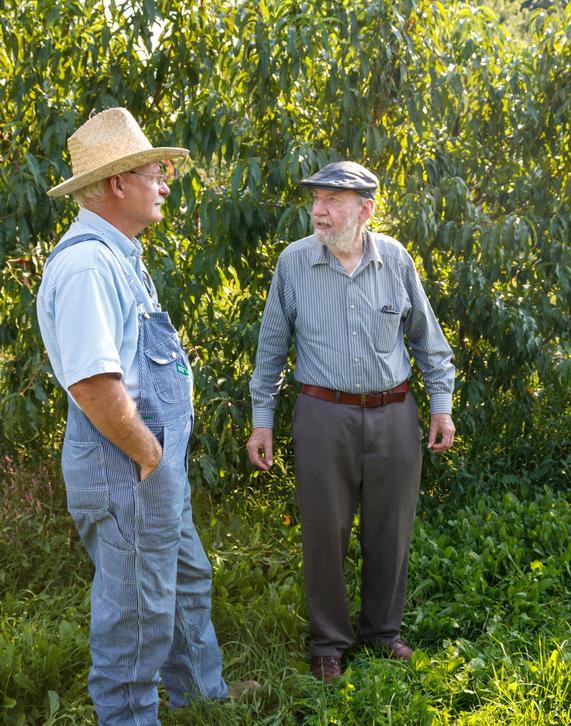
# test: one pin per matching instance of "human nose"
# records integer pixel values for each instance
(319, 207)
(164, 189)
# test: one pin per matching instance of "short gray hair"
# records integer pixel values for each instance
(92, 195)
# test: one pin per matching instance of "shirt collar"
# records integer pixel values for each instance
(116, 239)
(321, 255)
(371, 253)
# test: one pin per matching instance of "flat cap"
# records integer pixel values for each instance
(346, 176)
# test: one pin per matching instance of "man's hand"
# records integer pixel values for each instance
(260, 448)
(146, 471)
(441, 433)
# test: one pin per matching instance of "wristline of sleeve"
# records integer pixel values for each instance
(262, 417)
(441, 403)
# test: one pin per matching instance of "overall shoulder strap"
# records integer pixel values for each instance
(73, 241)
(134, 282)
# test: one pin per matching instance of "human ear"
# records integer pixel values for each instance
(367, 207)
(117, 185)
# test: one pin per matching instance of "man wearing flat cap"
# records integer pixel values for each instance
(130, 416)
(351, 298)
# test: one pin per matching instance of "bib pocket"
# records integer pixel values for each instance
(169, 370)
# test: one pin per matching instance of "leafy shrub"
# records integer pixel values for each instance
(466, 130)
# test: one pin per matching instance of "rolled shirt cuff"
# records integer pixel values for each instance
(262, 417)
(95, 369)
(441, 403)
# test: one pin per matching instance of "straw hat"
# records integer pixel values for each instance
(109, 143)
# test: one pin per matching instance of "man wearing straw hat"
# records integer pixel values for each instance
(130, 416)
(349, 297)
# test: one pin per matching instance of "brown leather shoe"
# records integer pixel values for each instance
(400, 650)
(325, 667)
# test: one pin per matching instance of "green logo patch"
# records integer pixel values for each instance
(182, 369)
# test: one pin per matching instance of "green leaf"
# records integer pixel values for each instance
(54, 703)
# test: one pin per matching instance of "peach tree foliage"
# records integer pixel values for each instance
(468, 132)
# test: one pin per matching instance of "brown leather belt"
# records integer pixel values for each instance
(366, 400)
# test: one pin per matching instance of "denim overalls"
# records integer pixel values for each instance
(151, 593)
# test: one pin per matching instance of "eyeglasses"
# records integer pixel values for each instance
(161, 178)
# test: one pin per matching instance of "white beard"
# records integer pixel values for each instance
(341, 242)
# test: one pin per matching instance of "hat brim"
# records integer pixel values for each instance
(338, 187)
(118, 166)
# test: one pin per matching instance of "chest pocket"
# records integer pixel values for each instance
(385, 327)
(169, 370)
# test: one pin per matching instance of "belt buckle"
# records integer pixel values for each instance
(363, 400)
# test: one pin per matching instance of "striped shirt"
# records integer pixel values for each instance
(349, 330)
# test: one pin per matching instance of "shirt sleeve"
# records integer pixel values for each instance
(273, 344)
(88, 325)
(431, 351)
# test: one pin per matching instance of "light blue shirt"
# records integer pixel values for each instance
(349, 330)
(86, 309)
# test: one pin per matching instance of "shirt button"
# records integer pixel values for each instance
(173, 354)
(354, 332)
(352, 307)
(357, 385)
(356, 360)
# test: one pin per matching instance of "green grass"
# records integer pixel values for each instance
(488, 612)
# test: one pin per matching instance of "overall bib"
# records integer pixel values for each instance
(151, 592)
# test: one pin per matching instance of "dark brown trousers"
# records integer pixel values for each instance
(345, 456)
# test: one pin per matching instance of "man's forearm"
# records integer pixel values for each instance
(106, 403)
